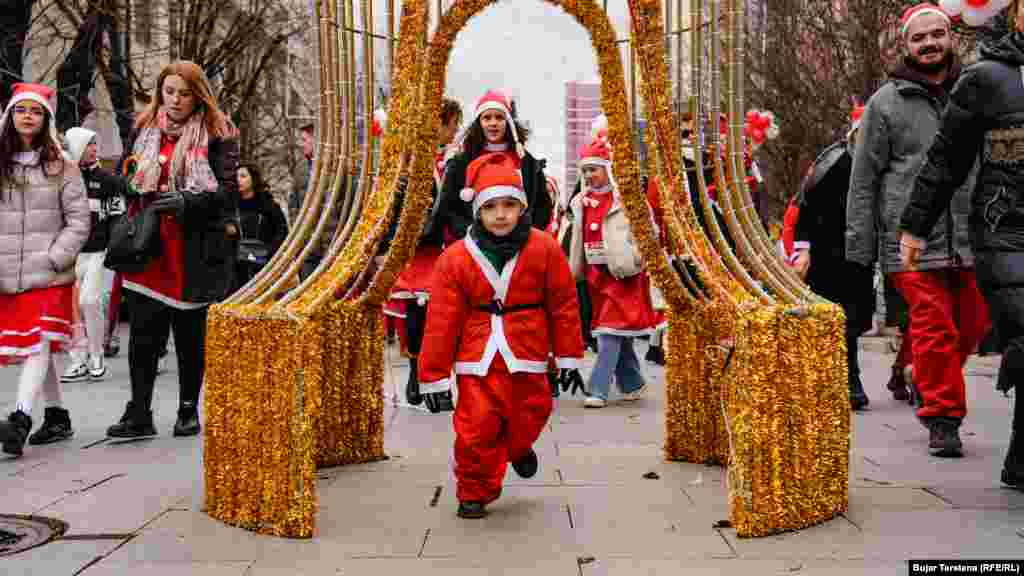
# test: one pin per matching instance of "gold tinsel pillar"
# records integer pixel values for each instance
(788, 417)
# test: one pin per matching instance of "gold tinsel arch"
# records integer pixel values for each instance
(756, 373)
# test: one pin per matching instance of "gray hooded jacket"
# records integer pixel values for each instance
(900, 122)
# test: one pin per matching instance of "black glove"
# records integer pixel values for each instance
(553, 381)
(571, 380)
(439, 401)
(169, 202)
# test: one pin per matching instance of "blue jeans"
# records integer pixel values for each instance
(615, 354)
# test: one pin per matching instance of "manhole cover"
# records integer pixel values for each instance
(20, 533)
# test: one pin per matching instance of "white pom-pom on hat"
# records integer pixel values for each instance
(599, 125)
(467, 194)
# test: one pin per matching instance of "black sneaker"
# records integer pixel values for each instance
(113, 347)
(471, 510)
(944, 438)
(14, 431)
(526, 467)
(656, 354)
(134, 424)
(56, 427)
(188, 420)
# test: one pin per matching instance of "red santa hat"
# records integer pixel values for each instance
(596, 153)
(491, 176)
(40, 94)
(498, 100)
(919, 10)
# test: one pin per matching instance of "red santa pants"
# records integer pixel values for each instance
(948, 317)
(497, 420)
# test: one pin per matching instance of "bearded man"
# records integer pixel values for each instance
(947, 314)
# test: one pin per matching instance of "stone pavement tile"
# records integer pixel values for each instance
(981, 498)
(527, 521)
(104, 568)
(59, 558)
(609, 462)
(865, 499)
(642, 566)
(656, 521)
(181, 537)
(121, 505)
(461, 566)
(942, 534)
(637, 422)
(836, 539)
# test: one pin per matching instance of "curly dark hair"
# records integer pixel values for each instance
(476, 140)
(10, 144)
(259, 186)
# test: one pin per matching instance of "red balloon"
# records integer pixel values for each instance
(752, 116)
(758, 136)
(762, 123)
(746, 129)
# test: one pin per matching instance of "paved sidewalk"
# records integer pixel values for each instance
(588, 512)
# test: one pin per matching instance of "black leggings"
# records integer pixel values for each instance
(151, 321)
(415, 322)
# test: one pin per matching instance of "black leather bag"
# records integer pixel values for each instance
(134, 241)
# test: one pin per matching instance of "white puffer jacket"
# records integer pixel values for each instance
(44, 222)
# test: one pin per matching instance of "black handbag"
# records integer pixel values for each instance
(134, 241)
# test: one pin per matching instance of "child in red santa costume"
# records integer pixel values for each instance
(502, 299)
(622, 309)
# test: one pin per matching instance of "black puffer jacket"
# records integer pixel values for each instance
(985, 116)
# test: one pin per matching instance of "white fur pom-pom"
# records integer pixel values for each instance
(598, 125)
(467, 194)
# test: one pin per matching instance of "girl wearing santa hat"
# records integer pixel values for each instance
(411, 292)
(621, 306)
(502, 300)
(44, 222)
(495, 128)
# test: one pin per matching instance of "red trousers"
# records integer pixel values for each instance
(497, 420)
(948, 317)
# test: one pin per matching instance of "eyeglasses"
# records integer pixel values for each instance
(25, 110)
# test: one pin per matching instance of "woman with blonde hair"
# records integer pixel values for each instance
(185, 153)
(44, 222)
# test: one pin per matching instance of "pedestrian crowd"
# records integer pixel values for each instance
(514, 277)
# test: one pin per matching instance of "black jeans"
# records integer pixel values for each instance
(151, 321)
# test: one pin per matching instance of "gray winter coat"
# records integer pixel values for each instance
(897, 129)
(44, 222)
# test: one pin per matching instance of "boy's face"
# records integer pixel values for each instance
(501, 215)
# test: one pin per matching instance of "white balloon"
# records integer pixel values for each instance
(951, 7)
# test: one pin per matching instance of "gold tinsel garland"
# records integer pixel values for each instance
(292, 389)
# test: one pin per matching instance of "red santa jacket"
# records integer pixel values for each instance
(540, 313)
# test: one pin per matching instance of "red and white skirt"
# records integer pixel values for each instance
(412, 284)
(33, 319)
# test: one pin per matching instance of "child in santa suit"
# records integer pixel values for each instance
(502, 299)
(621, 308)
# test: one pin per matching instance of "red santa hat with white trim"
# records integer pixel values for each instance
(920, 10)
(597, 153)
(491, 176)
(40, 94)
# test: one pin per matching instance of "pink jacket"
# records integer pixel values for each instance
(44, 222)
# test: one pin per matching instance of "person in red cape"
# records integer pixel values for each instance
(411, 292)
(622, 309)
(502, 300)
(44, 222)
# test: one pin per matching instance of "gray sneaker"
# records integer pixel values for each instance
(77, 372)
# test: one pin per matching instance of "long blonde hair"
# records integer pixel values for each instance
(217, 124)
